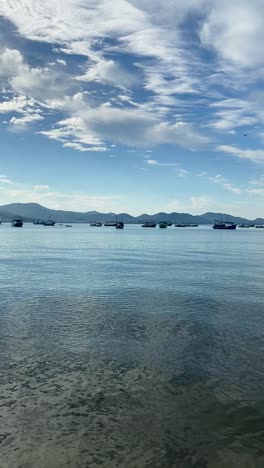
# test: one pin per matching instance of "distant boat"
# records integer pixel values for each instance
(224, 225)
(259, 226)
(68, 225)
(120, 225)
(96, 224)
(111, 223)
(181, 225)
(48, 223)
(17, 222)
(149, 224)
(244, 225)
(60, 224)
(163, 225)
(193, 225)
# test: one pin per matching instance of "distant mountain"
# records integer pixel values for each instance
(31, 211)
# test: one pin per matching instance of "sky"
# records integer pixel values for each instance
(133, 105)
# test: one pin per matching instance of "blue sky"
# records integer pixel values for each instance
(136, 106)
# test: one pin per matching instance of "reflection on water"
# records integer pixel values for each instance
(131, 349)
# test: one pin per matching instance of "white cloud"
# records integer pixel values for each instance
(194, 205)
(131, 127)
(18, 104)
(141, 45)
(43, 195)
(41, 187)
(255, 155)
(234, 113)
(27, 119)
(236, 31)
(259, 192)
(82, 148)
(61, 62)
(108, 71)
(38, 83)
(259, 181)
(218, 179)
(11, 62)
(153, 162)
(60, 200)
(5, 180)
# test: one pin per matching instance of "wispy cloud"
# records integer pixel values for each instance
(255, 155)
(218, 179)
(153, 162)
(4, 180)
(193, 205)
(259, 192)
(136, 74)
(76, 201)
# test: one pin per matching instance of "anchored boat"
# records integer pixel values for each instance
(111, 223)
(227, 225)
(48, 223)
(149, 225)
(17, 222)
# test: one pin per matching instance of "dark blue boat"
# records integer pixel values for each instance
(224, 225)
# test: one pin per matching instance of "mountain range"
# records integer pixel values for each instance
(31, 211)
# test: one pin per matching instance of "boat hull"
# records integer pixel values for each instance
(17, 223)
(227, 228)
(48, 223)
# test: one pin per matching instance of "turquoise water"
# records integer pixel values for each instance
(135, 348)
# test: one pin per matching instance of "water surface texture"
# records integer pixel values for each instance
(135, 348)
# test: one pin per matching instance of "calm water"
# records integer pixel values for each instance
(132, 349)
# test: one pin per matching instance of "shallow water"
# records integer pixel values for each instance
(135, 348)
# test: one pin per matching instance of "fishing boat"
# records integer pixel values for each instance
(68, 225)
(120, 225)
(111, 223)
(244, 225)
(259, 226)
(224, 225)
(96, 224)
(148, 224)
(48, 223)
(17, 222)
(163, 225)
(181, 225)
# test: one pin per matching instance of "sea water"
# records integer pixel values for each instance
(131, 348)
